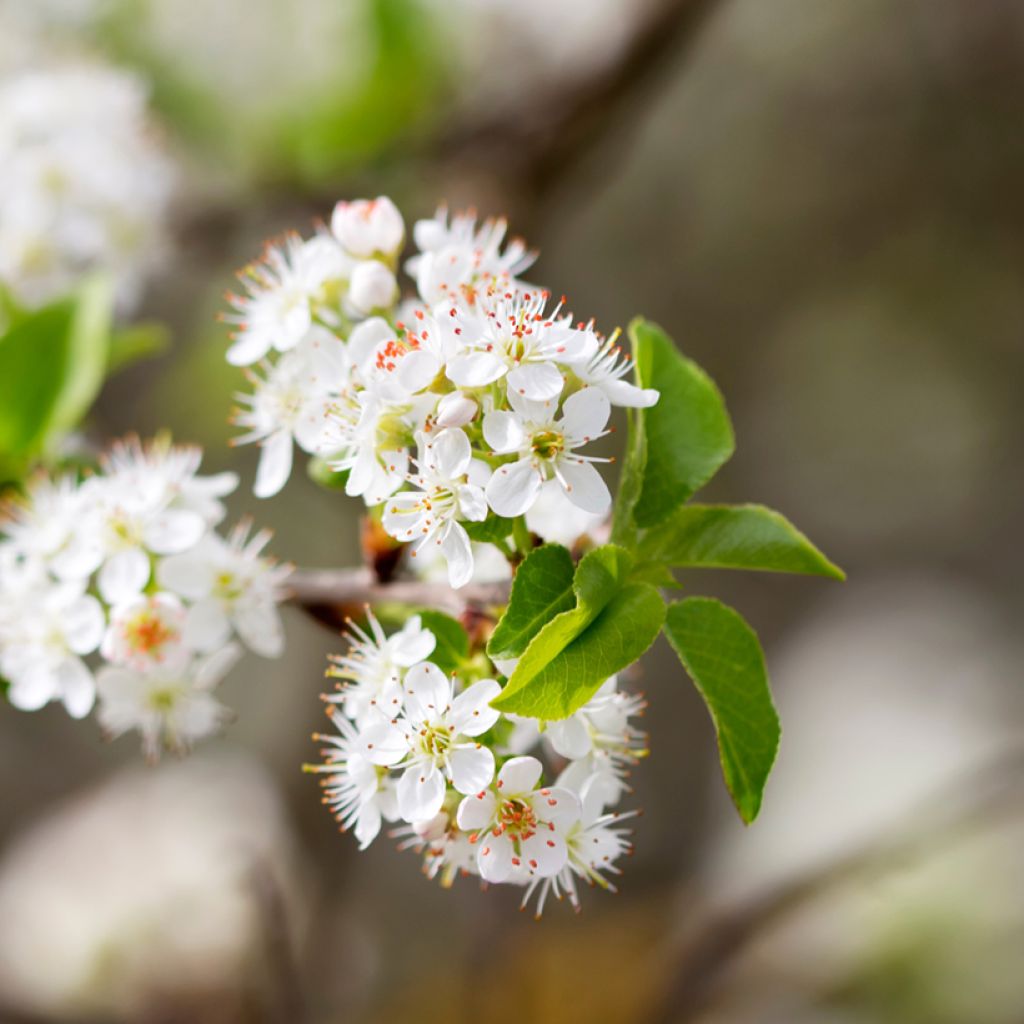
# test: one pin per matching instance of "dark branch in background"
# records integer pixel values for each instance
(704, 953)
(534, 148)
(331, 595)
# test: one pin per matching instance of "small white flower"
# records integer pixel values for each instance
(455, 409)
(171, 706)
(285, 291)
(289, 404)
(510, 334)
(42, 644)
(447, 850)
(373, 668)
(359, 793)
(231, 585)
(518, 827)
(432, 741)
(146, 632)
(547, 450)
(606, 370)
(458, 258)
(593, 844)
(368, 227)
(372, 288)
(429, 515)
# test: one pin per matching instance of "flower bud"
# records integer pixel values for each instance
(368, 226)
(455, 410)
(372, 287)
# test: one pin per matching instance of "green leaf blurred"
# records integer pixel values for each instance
(723, 657)
(136, 343)
(452, 647)
(734, 537)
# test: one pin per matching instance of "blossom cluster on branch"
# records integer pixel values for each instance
(424, 748)
(117, 587)
(446, 411)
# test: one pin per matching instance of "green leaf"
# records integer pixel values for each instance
(52, 364)
(655, 573)
(541, 590)
(320, 472)
(678, 444)
(632, 478)
(452, 647)
(614, 639)
(734, 537)
(492, 530)
(136, 343)
(723, 656)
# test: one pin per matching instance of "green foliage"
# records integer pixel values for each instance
(52, 365)
(673, 448)
(614, 620)
(686, 436)
(722, 655)
(493, 530)
(452, 648)
(320, 472)
(134, 344)
(542, 589)
(734, 537)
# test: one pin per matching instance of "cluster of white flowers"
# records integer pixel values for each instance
(125, 569)
(85, 184)
(477, 396)
(416, 746)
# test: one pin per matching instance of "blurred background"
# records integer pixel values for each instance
(821, 201)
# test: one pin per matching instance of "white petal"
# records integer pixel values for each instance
(206, 626)
(538, 382)
(420, 792)
(417, 369)
(544, 853)
(514, 488)
(472, 503)
(503, 431)
(477, 811)
(78, 691)
(472, 768)
(33, 689)
(190, 575)
(494, 857)
(83, 623)
(428, 692)
(174, 531)
(559, 806)
(629, 396)
(412, 643)
(383, 743)
(475, 369)
(210, 670)
(569, 737)
(450, 453)
(365, 338)
(259, 624)
(472, 713)
(456, 410)
(585, 414)
(458, 552)
(250, 346)
(367, 824)
(584, 486)
(123, 576)
(518, 775)
(275, 464)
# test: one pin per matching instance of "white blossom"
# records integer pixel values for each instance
(546, 449)
(368, 227)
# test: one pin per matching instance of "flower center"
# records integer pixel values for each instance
(435, 740)
(147, 633)
(517, 818)
(548, 444)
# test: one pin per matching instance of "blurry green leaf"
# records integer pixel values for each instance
(675, 446)
(614, 639)
(722, 655)
(136, 343)
(52, 364)
(655, 573)
(492, 530)
(542, 589)
(320, 472)
(452, 647)
(734, 537)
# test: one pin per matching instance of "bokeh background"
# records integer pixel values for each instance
(821, 201)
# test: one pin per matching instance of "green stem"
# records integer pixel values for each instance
(521, 536)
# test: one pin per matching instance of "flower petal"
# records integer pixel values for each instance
(472, 768)
(584, 486)
(475, 369)
(569, 737)
(472, 713)
(503, 431)
(494, 858)
(545, 853)
(538, 382)
(585, 414)
(514, 488)
(83, 623)
(123, 576)
(174, 531)
(518, 775)
(449, 453)
(458, 552)
(477, 811)
(428, 692)
(420, 792)
(275, 464)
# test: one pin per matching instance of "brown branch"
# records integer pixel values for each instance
(332, 595)
(702, 955)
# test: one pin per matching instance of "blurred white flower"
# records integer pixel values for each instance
(84, 185)
(367, 228)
